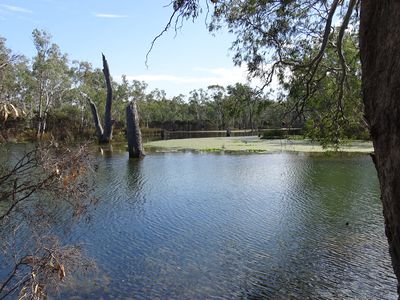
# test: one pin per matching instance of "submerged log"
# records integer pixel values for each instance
(133, 133)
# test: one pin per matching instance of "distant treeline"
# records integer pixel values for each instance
(48, 96)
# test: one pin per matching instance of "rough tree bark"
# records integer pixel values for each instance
(97, 124)
(134, 135)
(380, 57)
(104, 135)
(107, 135)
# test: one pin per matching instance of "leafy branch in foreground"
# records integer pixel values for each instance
(35, 188)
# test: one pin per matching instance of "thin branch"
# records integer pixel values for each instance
(11, 277)
(159, 35)
(342, 59)
(327, 32)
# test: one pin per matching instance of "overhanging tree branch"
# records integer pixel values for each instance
(342, 59)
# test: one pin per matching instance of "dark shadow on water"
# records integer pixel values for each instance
(134, 182)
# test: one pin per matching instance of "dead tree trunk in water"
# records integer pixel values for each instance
(134, 136)
(97, 124)
(107, 135)
(104, 135)
(380, 57)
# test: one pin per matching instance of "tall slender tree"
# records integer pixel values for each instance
(51, 76)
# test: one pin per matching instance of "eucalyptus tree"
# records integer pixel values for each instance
(197, 109)
(272, 37)
(6, 65)
(324, 120)
(88, 83)
(217, 94)
(121, 96)
(138, 93)
(244, 104)
(126, 91)
(157, 103)
(51, 76)
(15, 77)
(177, 109)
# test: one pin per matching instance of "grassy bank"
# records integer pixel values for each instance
(250, 144)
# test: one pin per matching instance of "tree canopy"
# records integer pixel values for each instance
(295, 41)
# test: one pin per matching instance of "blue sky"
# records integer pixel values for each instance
(123, 30)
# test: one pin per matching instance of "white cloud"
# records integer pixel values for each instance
(110, 16)
(16, 9)
(221, 76)
(202, 78)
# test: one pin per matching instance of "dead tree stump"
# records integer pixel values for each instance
(133, 133)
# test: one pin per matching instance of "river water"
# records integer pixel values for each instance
(271, 226)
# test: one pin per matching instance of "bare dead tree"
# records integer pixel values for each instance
(104, 134)
(134, 135)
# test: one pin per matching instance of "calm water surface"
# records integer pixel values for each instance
(186, 225)
(270, 226)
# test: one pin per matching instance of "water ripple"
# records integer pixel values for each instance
(280, 226)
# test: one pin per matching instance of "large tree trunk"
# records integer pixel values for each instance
(107, 135)
(135, 146)
(380, 56)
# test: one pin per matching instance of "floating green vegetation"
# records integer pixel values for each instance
(251, 145)
(213, 150)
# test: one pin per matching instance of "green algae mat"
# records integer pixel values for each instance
(251, 145)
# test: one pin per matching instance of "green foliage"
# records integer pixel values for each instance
(297, 42)
(328, 120)
(54, 90)
(15, 79)
(251, 144)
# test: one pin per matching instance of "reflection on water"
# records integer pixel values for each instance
(169, 135)
(195, 226)
(272, 226)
